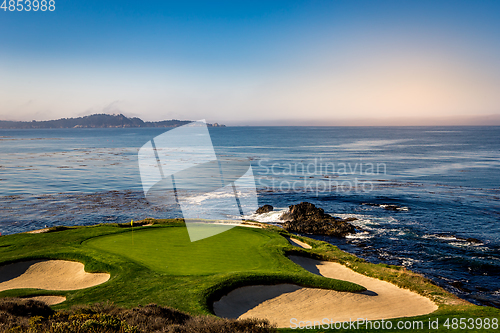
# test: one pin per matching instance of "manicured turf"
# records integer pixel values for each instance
(169, 250)
(161, 266)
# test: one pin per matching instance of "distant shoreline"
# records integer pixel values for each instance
(96, 121)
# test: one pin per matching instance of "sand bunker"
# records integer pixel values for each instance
(280, 303)
(39, 231)
(49, 275)
(49, 300)
(296, 242)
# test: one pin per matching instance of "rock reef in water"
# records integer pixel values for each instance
(391, 207)
(306, 218)
(265, 209)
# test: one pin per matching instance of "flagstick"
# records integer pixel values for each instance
(132, 224)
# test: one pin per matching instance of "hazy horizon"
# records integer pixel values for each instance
(255, 63)
(491, 120)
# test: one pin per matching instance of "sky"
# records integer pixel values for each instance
(255, 62)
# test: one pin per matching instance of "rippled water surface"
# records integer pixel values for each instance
(443, 183)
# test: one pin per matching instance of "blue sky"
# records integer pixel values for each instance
(254, 62)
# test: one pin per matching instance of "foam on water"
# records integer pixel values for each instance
(270, 217)
(445, 181)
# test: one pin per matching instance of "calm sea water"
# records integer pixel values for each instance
(444, 181)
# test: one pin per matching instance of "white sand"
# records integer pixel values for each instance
(49, 275)
(49, 300)
(298, 243)
(39, 231)
(280, 303)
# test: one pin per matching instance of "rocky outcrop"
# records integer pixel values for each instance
(265, 209)
(392, 207)
(306, 218)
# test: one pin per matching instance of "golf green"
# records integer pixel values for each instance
(169, 250)
(158, 264)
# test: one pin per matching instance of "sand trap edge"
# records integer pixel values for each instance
(49, 275)
(278, 303)
(49, 300)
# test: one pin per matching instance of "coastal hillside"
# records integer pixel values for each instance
(95, 121)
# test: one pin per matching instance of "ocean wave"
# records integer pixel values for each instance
(455, 240)
(391, 207)
(447, 167)
(270, 217)
(369, 144)
(363, 235)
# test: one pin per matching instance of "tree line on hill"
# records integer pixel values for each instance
(95, 121)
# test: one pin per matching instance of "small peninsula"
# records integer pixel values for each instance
(96, 121)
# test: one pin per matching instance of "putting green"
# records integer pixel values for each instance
(169, 250)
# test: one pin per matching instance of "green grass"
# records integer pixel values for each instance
(184, 275)
(169, 250)
(159, 264)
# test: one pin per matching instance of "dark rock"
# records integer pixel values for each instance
(308, 219)
(473, 240)
(391, 207)
(489, 300)
(304, 211)
(265, 209)
(459, 285)
(470, 240)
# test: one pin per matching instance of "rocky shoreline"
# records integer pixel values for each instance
(306, 218)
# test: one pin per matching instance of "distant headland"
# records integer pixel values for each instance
(96, 121)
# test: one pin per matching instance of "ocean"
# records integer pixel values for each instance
(427, 198)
